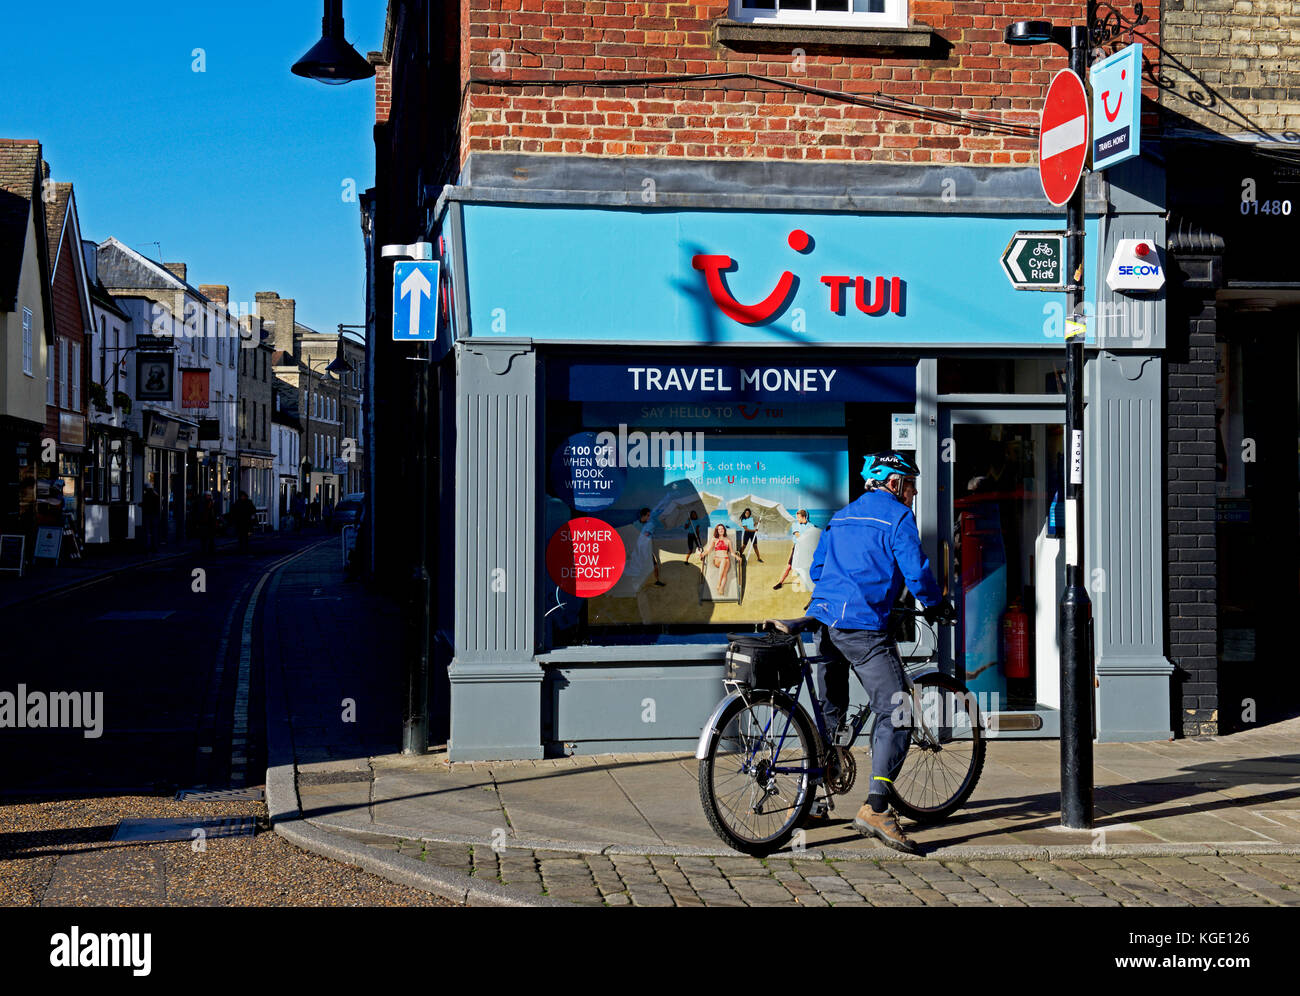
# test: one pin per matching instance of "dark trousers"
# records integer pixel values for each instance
(873, 656)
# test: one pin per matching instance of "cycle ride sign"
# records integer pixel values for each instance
(1035, 261)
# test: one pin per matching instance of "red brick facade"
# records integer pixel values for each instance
(514, 40)
(70, 323)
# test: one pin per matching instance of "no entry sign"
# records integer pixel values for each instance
(1063, 137)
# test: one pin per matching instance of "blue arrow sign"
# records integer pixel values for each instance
(1116, 107)
(415, 301)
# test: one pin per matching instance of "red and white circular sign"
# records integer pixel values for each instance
(1063, 137)
(585, 557)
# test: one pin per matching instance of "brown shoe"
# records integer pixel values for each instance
(885, 827)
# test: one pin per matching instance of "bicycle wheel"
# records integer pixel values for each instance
(945, 755)
(752, 807)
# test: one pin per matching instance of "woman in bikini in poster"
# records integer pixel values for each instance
(721, 550)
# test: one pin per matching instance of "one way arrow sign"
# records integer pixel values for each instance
(415, 301)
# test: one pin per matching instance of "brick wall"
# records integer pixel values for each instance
(70, 322)
(383, 91)
(743, 119)
(1240, 58)
(1189, 520)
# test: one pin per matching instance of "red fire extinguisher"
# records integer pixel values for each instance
(1015, 641)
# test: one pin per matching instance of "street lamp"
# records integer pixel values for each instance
(1075, 619)
(332, 60)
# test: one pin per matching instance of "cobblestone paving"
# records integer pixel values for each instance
(656, 880)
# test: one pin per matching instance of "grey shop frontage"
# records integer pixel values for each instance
(630, 385)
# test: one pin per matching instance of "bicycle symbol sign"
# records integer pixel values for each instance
(1035, 261)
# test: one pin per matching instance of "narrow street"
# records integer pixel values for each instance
(165, 658)
(181, 710)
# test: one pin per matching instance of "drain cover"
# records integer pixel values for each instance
(219, 795)
(182, 828)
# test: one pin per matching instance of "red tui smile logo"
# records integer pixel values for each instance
(714, 265)
(1105, 100)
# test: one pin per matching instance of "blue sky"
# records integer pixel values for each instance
(237, 170)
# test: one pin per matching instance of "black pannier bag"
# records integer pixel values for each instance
(762, 660)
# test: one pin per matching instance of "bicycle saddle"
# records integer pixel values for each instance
(790, 626)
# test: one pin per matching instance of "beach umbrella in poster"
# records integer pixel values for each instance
(676, 512)
(770, 517)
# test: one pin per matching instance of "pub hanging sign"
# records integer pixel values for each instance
(153, 376)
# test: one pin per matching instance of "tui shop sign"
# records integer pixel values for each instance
(583, 275)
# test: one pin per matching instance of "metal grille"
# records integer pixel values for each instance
(182, 828)
(220, 795)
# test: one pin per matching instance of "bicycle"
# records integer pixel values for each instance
(762, 758)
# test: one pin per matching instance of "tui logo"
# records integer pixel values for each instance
(877, 298)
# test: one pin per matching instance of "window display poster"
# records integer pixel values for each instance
(722, 532)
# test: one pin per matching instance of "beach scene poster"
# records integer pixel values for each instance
(724, 540)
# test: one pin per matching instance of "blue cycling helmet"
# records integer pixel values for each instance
(882, 466)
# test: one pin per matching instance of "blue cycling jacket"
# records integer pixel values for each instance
(866, 553)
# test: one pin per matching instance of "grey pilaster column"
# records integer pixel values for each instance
(1124, 567)
(496, 682)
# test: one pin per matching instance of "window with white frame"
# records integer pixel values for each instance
(63, 383)
(850, 13)
(74, 374)
(27, 342)
(51, 365)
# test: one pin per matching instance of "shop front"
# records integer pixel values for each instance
(168, 457)
(255, 479)
(658, 411)
(1238, 417)
(20, 447)
(110, 486)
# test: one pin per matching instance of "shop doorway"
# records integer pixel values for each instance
(1258, 523)
(1002, 513)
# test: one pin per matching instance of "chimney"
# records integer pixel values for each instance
(213, 292)
(281, 312)
(177, 269)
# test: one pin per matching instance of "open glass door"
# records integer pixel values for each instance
(1002, 510)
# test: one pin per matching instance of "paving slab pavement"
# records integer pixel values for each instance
(628, 829)
(1162, 800)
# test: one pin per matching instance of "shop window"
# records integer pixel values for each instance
(717, 508)
(852, 13)
(980, 375)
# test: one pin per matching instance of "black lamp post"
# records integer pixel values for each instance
(1076, 608)
(332, 60)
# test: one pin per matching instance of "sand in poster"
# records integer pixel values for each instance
(692, 543)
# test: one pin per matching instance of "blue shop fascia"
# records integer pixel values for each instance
(657, 405)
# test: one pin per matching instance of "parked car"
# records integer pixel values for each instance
(349, 510)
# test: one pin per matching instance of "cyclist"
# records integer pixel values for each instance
(866, 553)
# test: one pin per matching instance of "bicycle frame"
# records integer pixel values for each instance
(816, 772)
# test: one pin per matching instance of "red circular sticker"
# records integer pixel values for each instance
(585, 557)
